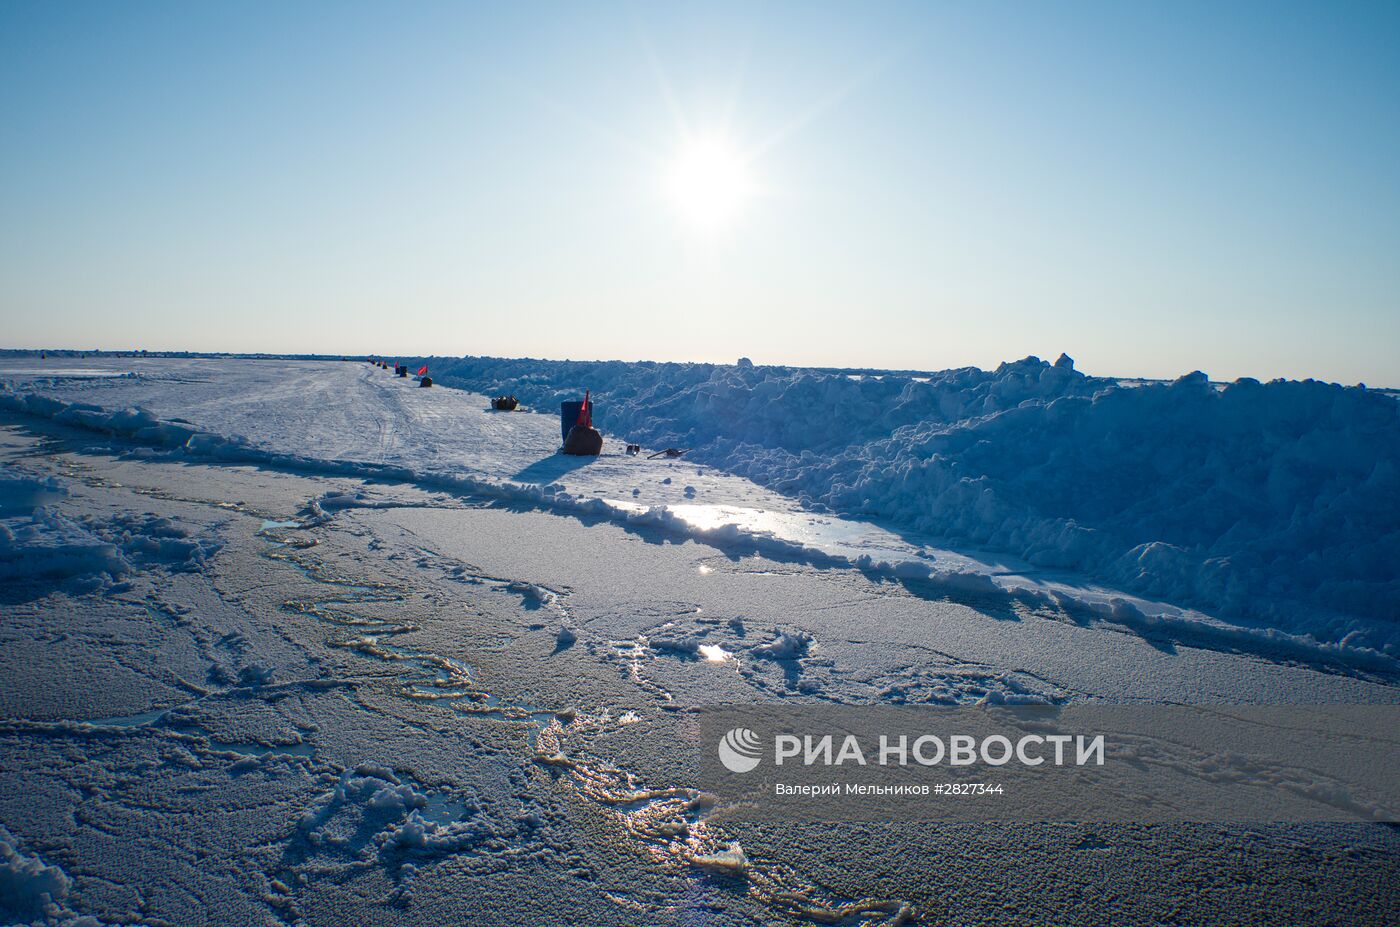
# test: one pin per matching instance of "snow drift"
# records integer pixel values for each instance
(40, 546)
(32, 891)
(1278, 501)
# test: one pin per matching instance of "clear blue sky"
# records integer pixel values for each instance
(1152, 188)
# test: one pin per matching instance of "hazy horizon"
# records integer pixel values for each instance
(1150, 189)
(411, 355)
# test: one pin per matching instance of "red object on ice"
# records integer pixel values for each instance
(422, 370)
(585, 411)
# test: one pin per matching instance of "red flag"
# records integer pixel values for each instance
(585, 411)
(422, 370)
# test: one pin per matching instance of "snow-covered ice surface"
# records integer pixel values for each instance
(1278, 502)
(386, 659)
(1308, 472)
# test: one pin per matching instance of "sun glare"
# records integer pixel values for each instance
(708, 183)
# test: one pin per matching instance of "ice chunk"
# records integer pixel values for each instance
(788, 645)
(729, 861)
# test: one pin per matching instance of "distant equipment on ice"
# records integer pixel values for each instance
(506, 404)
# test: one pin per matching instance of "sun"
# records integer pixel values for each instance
(708, 183)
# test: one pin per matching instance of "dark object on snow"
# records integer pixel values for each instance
(583, 441)
(634, 449)
(669, 452)
(403, 370)
(506, 404)
(426, 381)
(568, 416)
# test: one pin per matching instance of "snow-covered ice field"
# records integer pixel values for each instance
(302, 643)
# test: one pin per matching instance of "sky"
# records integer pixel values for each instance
(1152, 188)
